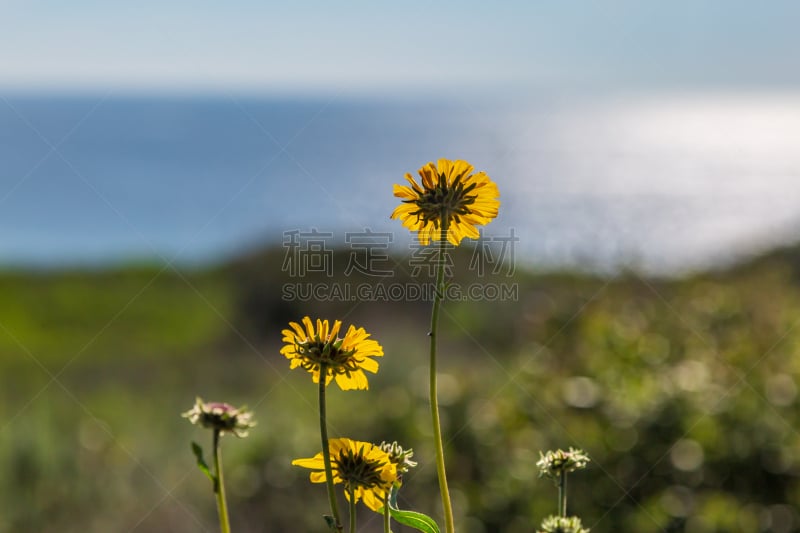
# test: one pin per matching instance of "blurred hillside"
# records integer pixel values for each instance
(684, 393)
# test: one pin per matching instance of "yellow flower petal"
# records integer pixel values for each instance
(309, 327)
(316, 344)
(370, 365)
(372, 501)
(335, 330)
(362, 467)
(318, 477)
(467, 199)
(311, 462)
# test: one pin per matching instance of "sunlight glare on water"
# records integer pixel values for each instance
(665, 183)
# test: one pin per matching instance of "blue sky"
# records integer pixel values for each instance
(402, 47)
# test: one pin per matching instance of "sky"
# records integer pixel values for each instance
(401, 47)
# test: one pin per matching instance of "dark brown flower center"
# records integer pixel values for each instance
(315, 353)
(444, 203)
(358, 471)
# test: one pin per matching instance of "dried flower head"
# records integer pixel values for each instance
(399, 457)
(221, 417)
(363, 468)
(562, 524)
(554, 463)
(344, 358)
(450, 196)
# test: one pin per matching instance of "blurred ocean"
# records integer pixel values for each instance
(662, 183)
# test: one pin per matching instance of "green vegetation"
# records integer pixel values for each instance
(683, 392)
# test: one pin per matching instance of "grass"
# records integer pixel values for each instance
(682, 391)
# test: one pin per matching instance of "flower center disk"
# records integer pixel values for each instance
(317, 353)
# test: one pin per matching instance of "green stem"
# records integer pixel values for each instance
(562, 495)
(326, 453)
(386, 514)
(447, 507)
(219, 486)
(352, 509)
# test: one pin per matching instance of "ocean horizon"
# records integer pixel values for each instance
(660, 182)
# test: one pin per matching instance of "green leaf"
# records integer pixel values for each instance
(414, 519)
(201, 463)
(418, 521)
(331, 522)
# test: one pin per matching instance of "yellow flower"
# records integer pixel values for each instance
(450, 194)
(362, 467)
(344, 358)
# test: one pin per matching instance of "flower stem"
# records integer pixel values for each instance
(326, 453)
(447, 507)
(386, 514)
(219, 486)
(562, 494)
(352, 509)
